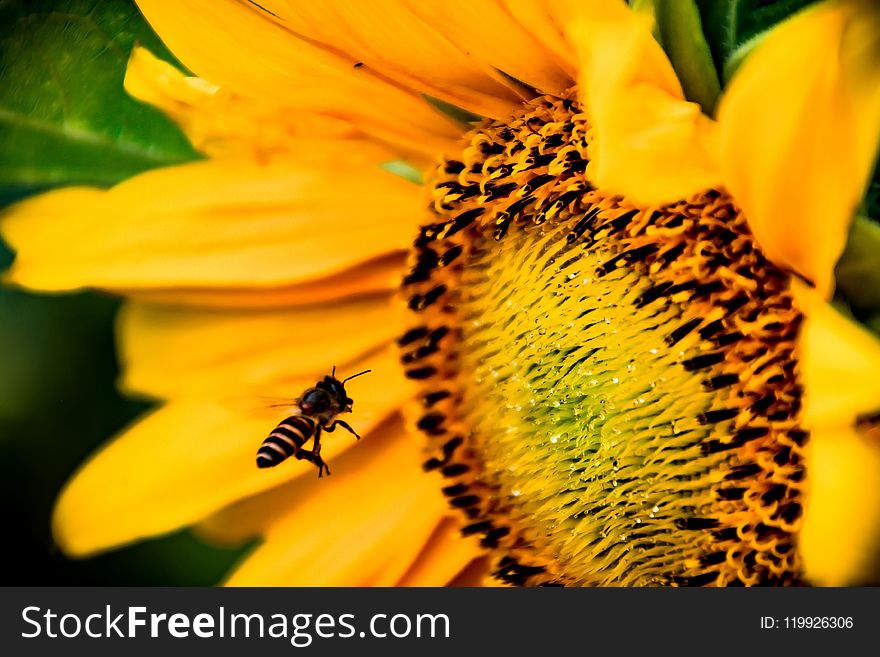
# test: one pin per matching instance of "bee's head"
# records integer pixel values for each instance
(315, 401)
(333, 387)
(337, 388)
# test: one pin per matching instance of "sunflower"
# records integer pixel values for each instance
(613, 328)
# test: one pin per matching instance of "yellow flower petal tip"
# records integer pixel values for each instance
(150, 79)
(840, 539)
(839, 364)
(799, 131)
(24, 226)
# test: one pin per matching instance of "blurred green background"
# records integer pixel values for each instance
(58, 402)
(65, 119)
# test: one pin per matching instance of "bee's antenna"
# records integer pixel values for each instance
(333, 373)
(356, 375)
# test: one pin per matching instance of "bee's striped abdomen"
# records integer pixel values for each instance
(285, 440)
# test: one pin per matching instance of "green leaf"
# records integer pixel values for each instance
(732, 27)
(405, 170)
(739, 55)
(681, 34)
(871, 202)
(454, 112)
(64, 115)
(720, 19)
(858, 270)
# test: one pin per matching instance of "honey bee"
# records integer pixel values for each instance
(315, 411)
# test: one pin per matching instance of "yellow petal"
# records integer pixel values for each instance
(445, 556)
(489, 33)
(221, 124)
(839, 542)
(364, 526)
(839, 364)
(477, 573)
(215, 223)
(649, 144)
(241, 48)
(253, 516)
(169, 351)
(800, 125)
(388, 37)
(379, 275)
(195, 456)
(546, 28)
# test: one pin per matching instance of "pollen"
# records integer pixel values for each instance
(610, 394)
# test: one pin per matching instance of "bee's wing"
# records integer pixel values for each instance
(276, 402)
(252, 404)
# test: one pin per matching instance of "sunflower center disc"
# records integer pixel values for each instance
(610, 392)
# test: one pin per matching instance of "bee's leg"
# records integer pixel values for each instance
(344, 425)
(316, 445)
(316, 450)
(311, 457)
